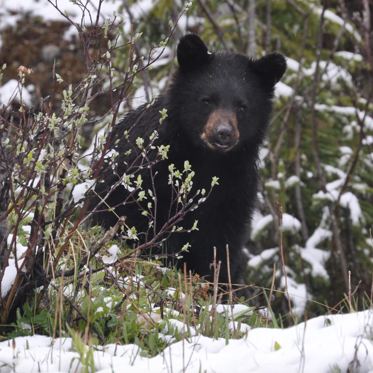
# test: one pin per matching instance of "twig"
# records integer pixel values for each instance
(291, 102)
(251, 49)
(344, 299)
(216, 280)
(315, 151)
(192, 303)
(271, 292)
(283, 262)
(99, 335)
(349, 292)
(367, 23)
(217, 28)
(298, 191)
(371, 287)
(268, 26)
(184, 315)
(95, 249)
(230, 290)
(302, 362)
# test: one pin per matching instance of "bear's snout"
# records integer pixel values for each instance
(224, 135)
(221, 131)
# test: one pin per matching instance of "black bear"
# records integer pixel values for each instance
(218, 109)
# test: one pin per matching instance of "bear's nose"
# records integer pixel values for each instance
(223, 135)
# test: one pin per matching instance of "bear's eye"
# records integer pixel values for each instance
(242, 109)
(206, 102)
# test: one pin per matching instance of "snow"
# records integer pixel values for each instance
(350, 56)
(319, 235)
(331, 72)
(316, 258)
(113, 255)
(348, 110)
(359, 187)
(260, 225)
(80, 190)
(281, 89)
(237, 308)
(9, 277)
(11, 12)
(100, 136)
(349, 200)
(297, 293)
(38, 9)
(322, 196)
(334, 184)
(11, 270)
(10, 91)
(263, 152)
(290, 223)
(164, 56)
(344, 159)
(292, 64)
(331, 170)
(368, 140)
(257, 260)
(292, 181)
(345, 150)
(349, 129)
(139, 98)
(316, 345)
(273, 184)
(190, 21)
(338, 20)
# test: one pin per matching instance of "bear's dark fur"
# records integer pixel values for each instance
(219, 107)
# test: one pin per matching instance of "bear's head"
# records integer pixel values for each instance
(222, 101)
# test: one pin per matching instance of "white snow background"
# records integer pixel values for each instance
(323, 344)
(320, 345)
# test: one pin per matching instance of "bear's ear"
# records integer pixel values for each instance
(192, 52)
(270, 68)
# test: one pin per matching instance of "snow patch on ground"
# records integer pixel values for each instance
(319, 344)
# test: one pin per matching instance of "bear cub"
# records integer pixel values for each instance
(218, 110)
